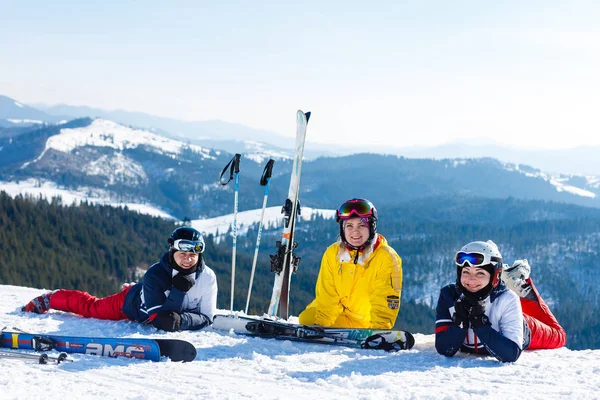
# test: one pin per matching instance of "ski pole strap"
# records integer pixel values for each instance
(234, 167)
(266, 175)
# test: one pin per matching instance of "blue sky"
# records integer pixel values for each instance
(398, 73)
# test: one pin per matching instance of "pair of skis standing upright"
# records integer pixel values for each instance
(284, 262)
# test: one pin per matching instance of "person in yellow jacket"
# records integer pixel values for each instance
(360, 280)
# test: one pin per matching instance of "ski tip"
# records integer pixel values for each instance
(410, 340)
(301, 113)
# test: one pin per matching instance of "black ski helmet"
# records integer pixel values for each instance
(357, 208)
(186, 238)
(187, 233)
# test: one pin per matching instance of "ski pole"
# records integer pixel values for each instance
(40, 358)
(234, 169)
(264, 181)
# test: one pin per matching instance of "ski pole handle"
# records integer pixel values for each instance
(267, 172)
(234, 167)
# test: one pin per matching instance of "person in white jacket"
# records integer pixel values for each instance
(479, 314)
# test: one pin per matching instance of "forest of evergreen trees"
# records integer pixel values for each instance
(45, 244)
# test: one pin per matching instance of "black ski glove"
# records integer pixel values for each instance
(183, 282)
(477, 316)
(168, 321)
(461, 313)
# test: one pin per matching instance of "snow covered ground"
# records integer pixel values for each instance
(235, 367)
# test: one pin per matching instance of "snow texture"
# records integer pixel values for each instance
(237, 367)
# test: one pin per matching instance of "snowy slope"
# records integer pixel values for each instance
(105, 133)
(236, 367)
(559, 181)
(272, 218)
(47, 190)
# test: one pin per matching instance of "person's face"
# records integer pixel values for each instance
(185, 260)
(474, 279)
(356, 232)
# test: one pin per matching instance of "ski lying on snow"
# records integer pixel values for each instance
(145, 349)
(384, 339)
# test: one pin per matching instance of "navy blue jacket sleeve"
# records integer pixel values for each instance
(448, 337)
(501, 347)
(156, 283)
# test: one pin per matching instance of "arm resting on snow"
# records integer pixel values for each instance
(448, 337)
(192, 322)
(501, 347)
(448, 342)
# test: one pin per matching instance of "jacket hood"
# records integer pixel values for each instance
(346, 255)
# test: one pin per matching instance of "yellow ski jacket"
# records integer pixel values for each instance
(357, 290)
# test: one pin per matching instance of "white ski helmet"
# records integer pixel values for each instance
(482, 255)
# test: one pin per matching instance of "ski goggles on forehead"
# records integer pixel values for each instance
(360, 209)
(475, 259)
(188, 246)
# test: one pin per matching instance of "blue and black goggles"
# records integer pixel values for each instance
(189, 246)
(475, 259)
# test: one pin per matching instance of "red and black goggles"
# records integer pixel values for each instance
(475, 259)
(355, 208)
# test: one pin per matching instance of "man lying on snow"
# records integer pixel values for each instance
(478, 314)
(177, 293)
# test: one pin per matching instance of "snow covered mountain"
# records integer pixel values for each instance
(14, 114)
(107, 160)
(236, 367)
(579, 160)
(183, 130)
(117, 164)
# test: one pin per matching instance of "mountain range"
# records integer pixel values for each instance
(127, 164)
(238, 138)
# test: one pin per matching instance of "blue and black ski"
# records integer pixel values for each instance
(144, 349)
